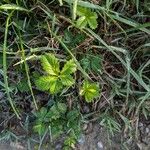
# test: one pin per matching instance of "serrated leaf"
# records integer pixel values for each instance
(55, 80)
(89, 91)
(50, 64)
(96, 63)
(53, 61)
(23, 86)
(55, 85)
(39, 128)
(92, 62)
(56, 128)
(43, 112)
(43, 83)
(81, 22)
(86, 17)
(73, 39)
(82, 11)
(67, 80)
(54, 113)
(62, 107)
(92, 21)
(49, 83)
(69, 68)
(12, 7)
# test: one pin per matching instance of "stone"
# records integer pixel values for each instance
(100, 145)
(81, 140)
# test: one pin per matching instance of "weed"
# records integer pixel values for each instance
(71, 51)
(56, 79)
(86, 17)
(90, 91)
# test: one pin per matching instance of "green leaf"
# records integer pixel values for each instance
(55, 85)
(67, 80)
(92, 63)
(39, 128)
(23, 86)
(69, 68)
(55, 80)
(43, 83)
(70, 141)
(49, 83)
(81, 22)
(89, 91)
(73, 39)
(57, 128)
(41, 114)
(82, 11)
(50, 64)
(56, 111)
(96, 63)
(92, 21)
(86, 17)
(62, 107)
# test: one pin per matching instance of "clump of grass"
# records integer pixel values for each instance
(108, 41)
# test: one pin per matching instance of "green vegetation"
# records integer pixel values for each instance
(56, 57)
(56, 79)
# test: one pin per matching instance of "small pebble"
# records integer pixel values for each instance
(81, 140)
(100, 145)
(140, 124)
(17, 146)
(129, 141)
(86, 109)
(147, 130)
(85, 126)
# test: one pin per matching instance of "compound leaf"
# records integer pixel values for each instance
(43, 83)
(81, 22)
(50, 64)
(67, 80)
(49, 83)
(56, 79)
(62, 107)
(89, 91)
(86, 17)
(69, 68)
(55, 85)
(92, 21)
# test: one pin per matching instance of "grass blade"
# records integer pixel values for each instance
(130, 23)
(12, 7)
(5, 67)
(27, 71)
(134, 74)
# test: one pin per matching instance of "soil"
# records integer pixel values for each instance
(96, 138)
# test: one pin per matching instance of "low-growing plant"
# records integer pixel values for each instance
(57, 120)
(55, 79)
(86, 17)
(89, 91)
(74, 127)
(117, 53)
(50, 119)
(92, 63)
(109, 123)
